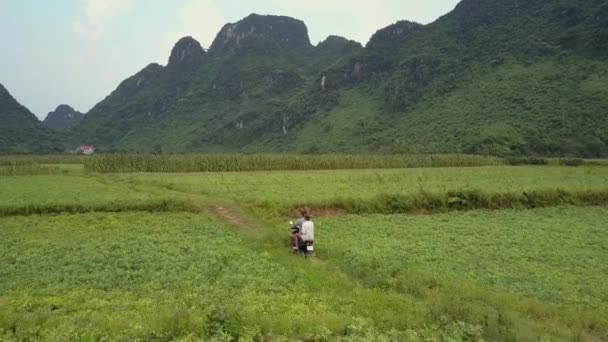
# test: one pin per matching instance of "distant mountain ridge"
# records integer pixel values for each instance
(505, 77)
(62, 118)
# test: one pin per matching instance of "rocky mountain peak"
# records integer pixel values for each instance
(399, 31)
(63, 117)
(287, 32)
(186, 52)
(339, 44)
(64, 109)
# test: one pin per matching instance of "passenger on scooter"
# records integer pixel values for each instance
(305, 238)
(307, 233)
(295, 230)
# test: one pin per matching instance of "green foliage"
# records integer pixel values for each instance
(13, 160)
(32, 169)
(136, 276)
(22, 133)
(38, 165)
(62, 118)
(504, 78)
(113, 163)
(465, 200)
(367, 190)
(495, 112)
(527, 161)
(75, 194)
(506, 262)
(163, 268)
(571, 162)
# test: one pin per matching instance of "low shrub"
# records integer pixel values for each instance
(571, 162)
(28, 170)
(527, 161)
(461, 200)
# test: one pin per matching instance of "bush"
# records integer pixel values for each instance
(527, 161)
(571, 162)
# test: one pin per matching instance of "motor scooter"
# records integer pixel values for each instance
(305, 248)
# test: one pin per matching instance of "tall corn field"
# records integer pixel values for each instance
(114, 163)
(28, 170)
(42, 159)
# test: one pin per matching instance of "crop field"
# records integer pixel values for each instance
(284, 190)
(553, 256)
(512, 253)
(64, 193)
(165, 276)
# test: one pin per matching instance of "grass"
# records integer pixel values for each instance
(40, 165)
(41, 159)
(163, 277)
(179, 275)
(68, 193)
(281, 191)
(548, 263)
(518, 248)
(31, 169)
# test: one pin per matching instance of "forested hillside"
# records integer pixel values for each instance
(506, 77)
(21, 131)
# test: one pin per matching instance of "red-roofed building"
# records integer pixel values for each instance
(85, 149)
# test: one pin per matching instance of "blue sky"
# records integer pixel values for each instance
(77, 51)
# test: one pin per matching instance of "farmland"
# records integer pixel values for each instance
(191, 256)
(324, 186)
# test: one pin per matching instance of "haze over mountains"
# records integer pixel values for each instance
(506, 77)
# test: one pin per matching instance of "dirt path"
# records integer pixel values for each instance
(231, 216)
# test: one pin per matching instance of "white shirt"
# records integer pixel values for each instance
(308, 231)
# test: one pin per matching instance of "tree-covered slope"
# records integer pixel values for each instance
(501, 77)
(21, 131)
(226, 98)
(505, 77)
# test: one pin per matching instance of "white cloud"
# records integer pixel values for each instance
(97, 14)
(201, 19)
(359, 20)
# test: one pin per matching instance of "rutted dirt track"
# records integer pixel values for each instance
(229, 215)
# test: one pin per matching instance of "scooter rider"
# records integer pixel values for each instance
(307, 233)
(295, 231)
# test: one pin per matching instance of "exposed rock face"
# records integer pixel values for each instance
(63, 117)
(413, 89)
(397, 32)
(144, 79)
(186, 53)
(337, 44)
(284, 31)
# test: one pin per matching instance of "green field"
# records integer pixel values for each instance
(76, 193)
(203, 256)
(552, 255)
(159, 276)
(284, 190)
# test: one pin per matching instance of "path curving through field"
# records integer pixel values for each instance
(231, 216)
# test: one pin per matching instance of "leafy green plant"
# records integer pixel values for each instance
(114, 163)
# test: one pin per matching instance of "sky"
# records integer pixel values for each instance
(76, 52)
